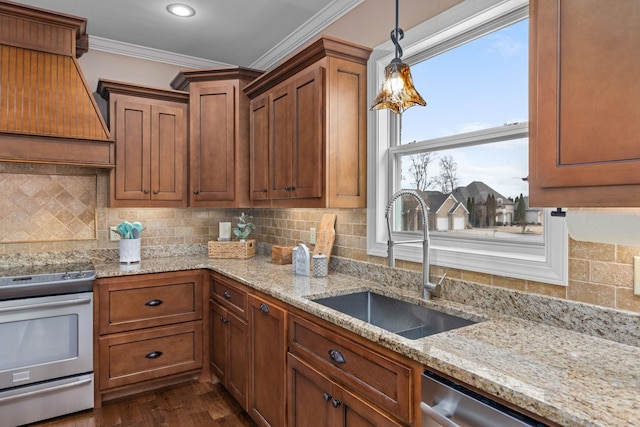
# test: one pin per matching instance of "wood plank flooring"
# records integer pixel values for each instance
(190, 405)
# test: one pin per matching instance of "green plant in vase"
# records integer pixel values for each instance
(244, 227)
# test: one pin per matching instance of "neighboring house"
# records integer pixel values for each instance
(533, 215)
(450, 211)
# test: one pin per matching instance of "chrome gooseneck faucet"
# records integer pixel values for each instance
(428, 288)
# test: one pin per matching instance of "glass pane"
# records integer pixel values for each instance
(478, 85)
(29, 342)
(476, 191)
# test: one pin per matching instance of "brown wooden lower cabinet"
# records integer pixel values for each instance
(267, 362)
(315, 400)
(149, 331)
(229, 351)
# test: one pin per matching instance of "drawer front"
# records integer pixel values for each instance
(382, 381)
(139, 356)
(149, 302)
(229, 294)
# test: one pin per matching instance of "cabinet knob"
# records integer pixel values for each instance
(327, 397)
(154, 355)
(227, 294)
(264, 190)
(336, 356)
(224, 319)
(145, 191)
(153, 302)
(264, 308)
(290, 188)
(196, 192)
(336, 402)
(156, 191)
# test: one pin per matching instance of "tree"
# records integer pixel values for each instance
(418, 169)
(448, 179)
(520, 216)
(473, 215)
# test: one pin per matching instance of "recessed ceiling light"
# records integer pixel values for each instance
(181, 10)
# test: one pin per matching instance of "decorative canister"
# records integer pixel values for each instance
(320, 265)
(303, 261)
(129, 250)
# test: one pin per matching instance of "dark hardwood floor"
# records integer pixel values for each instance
(190, 405)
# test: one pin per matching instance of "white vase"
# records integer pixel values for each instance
(129, 250)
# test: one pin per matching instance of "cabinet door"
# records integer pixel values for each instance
(310, 395)
(280, 143)
(308, 134)
(133, 149)
(219, 341)
(212, 144)
(267, 349)
(584, 148)
(354, 412)
(259, 148)
(168, 152)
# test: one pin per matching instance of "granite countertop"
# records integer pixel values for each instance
(570, 378)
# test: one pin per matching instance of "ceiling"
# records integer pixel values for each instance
(250, 33)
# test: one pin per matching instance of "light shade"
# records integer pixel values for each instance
(397, 92)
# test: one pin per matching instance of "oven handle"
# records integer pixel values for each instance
(46, 305)
(45, 390)
(436, 414)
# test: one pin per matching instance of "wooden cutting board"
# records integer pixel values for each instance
(326, 235)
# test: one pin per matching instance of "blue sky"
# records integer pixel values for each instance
(481, 84)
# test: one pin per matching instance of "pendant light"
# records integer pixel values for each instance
(397, 92)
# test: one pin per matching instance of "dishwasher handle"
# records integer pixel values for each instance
(438, 413)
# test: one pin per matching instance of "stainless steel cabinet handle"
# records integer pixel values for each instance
(153, 302)
(327, 397)
(154, 355)
(336, 402)
(70, 302)
(429, 412)
(264, 308)
(336, 356)
(227, 294)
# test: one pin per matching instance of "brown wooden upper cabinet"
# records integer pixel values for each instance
(308, 128)
(150, 128)
(218, 135)
(584, 111)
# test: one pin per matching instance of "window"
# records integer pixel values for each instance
(467, 152)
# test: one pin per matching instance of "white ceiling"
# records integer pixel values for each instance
(250, 33)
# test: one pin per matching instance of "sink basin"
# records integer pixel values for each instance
(400, 317)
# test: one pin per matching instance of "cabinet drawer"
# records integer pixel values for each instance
(138, 356)
(136, 303)
(230, 294)
(382, 381)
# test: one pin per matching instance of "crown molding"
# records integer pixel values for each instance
(151, 54)
(304, 33)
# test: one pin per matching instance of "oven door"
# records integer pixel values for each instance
(45, 338)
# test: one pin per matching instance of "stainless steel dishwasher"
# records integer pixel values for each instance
(447, 404)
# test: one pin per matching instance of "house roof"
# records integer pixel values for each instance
(479, 191)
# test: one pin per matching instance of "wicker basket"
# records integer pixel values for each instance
(239, 250)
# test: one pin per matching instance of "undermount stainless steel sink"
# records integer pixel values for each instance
(400, 317)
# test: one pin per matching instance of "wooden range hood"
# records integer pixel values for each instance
(47, 112)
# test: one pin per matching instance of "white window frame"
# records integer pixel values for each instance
(546, 262)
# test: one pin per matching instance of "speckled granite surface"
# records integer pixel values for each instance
(571, 378)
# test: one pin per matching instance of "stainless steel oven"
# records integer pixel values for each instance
(46, 342)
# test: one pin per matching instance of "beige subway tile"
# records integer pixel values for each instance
(592, 251)
(547, 289)
(625, 254)
(472, 276)
(591, 293)
(626, 300)
(510, 283)
(579, 269)
(610, 273)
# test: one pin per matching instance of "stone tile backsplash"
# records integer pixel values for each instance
(599, 274)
